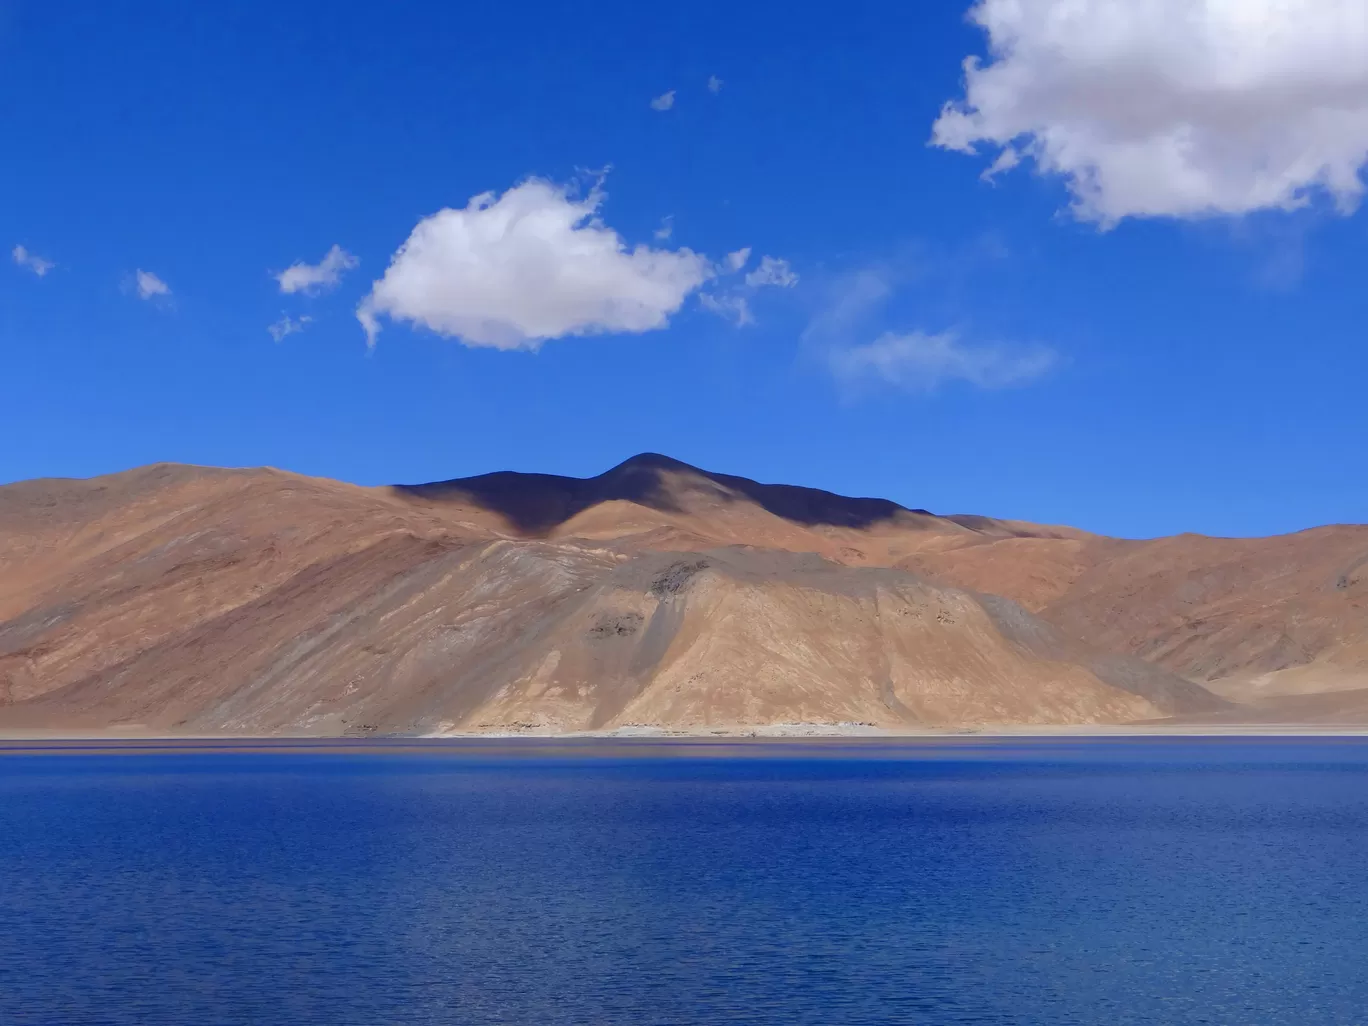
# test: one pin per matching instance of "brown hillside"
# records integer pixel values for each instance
(255, 601)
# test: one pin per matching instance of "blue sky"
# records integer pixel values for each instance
(1105, 335)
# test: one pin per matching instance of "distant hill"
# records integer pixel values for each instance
(197, 600)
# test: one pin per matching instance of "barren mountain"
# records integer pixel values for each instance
(197, 600)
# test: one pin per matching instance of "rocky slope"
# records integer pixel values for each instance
(195, 600)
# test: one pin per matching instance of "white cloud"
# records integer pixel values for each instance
(149, 286)
(714, 84)
(664, 101)
(535, 263)
(772, 271)
(665, 230)
(737, 260)
(319, 277)
(32, 261)
(287, 326)
(921, 362)
(1172, 108)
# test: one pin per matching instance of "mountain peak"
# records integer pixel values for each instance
(651, 461)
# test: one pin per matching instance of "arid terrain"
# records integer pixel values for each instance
(187, 600)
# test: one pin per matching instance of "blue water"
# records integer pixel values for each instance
(1042, 883)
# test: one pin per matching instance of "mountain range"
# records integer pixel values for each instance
(190, 600)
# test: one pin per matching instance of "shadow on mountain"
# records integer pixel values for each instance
(538, 503)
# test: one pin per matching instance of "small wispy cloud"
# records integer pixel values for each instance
(38, 265)
(912, 360)
(664, 101)
(730, 306)
(714, 84)
(921, 362)
(287, 326)
(319, 277)
(733, 302)
(149, 286)
(772, 271)
(666, 229)
(851, 302)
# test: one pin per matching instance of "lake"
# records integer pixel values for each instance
(1049, 882)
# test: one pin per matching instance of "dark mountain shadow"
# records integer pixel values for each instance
(538, 503)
